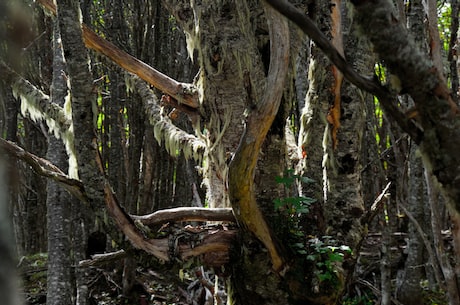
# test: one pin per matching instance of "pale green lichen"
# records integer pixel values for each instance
(58, 120)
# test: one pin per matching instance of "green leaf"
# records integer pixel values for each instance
(278, 203)
(299, 245)
(336, 257)
(324, 276)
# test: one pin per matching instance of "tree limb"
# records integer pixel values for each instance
(37, 99)
(182, 92)
(213, 244)
(174, 137)
(242, 166)
(45, 168)
(186, 214)
(438, 113)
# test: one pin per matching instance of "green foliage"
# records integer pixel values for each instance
(297, 205)
(433, 297)
(326, 257)
(444, 22)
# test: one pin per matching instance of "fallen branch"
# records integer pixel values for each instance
(186, 214)
(211, 244)
(99, 259)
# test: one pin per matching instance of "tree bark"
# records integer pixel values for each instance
(58, 200)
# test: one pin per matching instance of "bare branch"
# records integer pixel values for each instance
(45, 168)
(182, 92)
(186, 214)
(99, 259)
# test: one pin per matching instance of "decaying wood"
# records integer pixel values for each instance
(186, 214)
(182, 92)
(333, 117)
(99, 259)
(211, 244)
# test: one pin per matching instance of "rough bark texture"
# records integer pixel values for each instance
(58, 200)
(439, 116)
(83, 101)
(409, 289)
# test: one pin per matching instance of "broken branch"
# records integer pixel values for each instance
(182, 92)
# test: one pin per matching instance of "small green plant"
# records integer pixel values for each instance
(296, 205)
(326, 257)
(291, 208)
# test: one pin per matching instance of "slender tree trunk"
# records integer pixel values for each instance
(450, 278)
(58, 201)
(409, 290)
(83, 103)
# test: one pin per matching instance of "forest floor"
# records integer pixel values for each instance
(153, 285)
(162, 284)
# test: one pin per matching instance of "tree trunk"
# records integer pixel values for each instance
(8, 278)
(58, 200)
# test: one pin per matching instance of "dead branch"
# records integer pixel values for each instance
(431, 255)
(210, 243)
(99, 259)
(45, 168)
(186, 214)
(182, 92)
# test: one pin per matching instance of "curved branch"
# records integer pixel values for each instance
(241, 170)
(182, 92)
(213, 246)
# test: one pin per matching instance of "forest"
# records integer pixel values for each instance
(229, 152)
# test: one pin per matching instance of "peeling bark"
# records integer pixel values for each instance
(58, 201)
